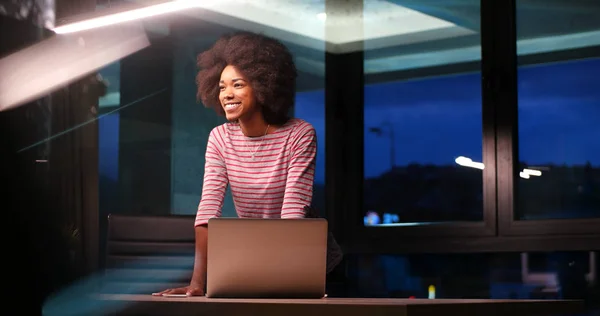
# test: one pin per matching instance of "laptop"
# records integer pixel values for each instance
(266, 258)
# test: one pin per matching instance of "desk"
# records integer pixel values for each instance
(150, 305)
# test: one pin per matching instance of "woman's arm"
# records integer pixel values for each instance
(301, 173)
(215, 180)
(213, 194)
(211, 203)
(199, 275)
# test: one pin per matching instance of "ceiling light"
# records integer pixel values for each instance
(129, 15)
(37, 70)
(322, 16)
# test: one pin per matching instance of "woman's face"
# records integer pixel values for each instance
(236, 95)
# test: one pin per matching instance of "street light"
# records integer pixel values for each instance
(379, 131)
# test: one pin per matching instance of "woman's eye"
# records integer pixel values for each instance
(221, 88)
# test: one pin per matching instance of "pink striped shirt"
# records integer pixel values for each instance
(276, 183)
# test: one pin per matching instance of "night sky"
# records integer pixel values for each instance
(437, 119)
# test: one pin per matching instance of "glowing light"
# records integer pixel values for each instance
(431, 292)
(467, 162)
(322, 16)
(532, 172)
(55, 62)
(372, 218)
(129, 15)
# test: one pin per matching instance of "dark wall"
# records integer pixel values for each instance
(37, 257)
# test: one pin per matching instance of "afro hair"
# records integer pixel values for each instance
(265, 62)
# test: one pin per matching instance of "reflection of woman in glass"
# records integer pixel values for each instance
(266, 157)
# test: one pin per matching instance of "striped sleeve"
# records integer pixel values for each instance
(215, 179)
(301, 172)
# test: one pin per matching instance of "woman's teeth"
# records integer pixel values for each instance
(231, 106)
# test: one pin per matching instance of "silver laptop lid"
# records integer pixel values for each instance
(266, 257)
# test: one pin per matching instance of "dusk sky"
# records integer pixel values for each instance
(438, 119)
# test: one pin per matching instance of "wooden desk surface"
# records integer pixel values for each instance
(151, 305)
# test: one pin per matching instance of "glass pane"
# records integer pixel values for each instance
(423, 125)
(559, 94)
(310, 106)
(192, 122)
(108, 140)
(153, 132)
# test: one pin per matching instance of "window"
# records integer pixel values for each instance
(192, 122)
(559, 152)
(154, 134)
(310, 106)
(423, 152)
(108, 140)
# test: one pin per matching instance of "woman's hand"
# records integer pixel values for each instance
(190, 290)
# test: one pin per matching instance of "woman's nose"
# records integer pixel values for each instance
(228, 93)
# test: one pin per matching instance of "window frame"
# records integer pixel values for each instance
(344, 117)
(508, 144)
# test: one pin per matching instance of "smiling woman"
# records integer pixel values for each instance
(261, 62)
(236, 96)
(265, 157)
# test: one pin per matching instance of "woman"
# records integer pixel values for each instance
(266, 157)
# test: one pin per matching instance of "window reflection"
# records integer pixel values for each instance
(310, 106)
(108, 140)
(153, 131)
(422, 112)
(559, 155)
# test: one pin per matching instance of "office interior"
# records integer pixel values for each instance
(458, 144)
